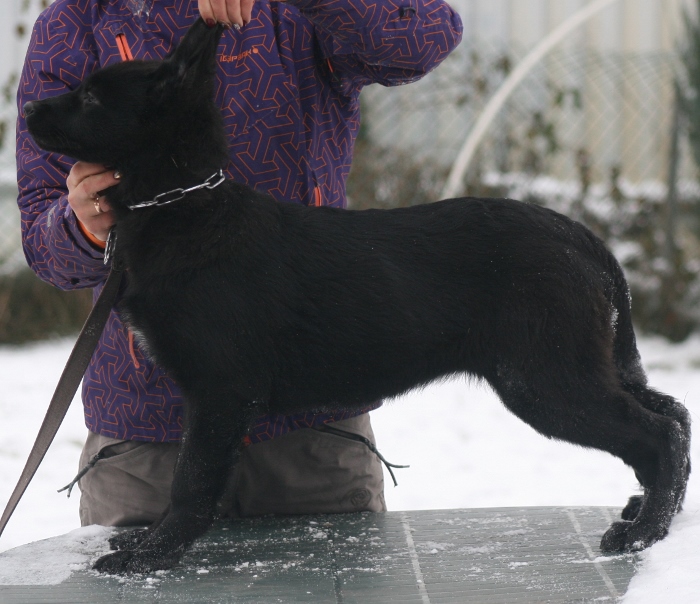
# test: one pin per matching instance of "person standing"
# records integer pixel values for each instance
(288, 83)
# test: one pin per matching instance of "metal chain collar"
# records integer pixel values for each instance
(163, 199)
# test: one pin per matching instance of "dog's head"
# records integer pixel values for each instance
(141, 115)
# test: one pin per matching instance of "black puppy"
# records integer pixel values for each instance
(255, 306)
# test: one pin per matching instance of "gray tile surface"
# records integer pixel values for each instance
(484, 556)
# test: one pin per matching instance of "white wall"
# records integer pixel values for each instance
(15, 29)
(613, 120)
(629, 25)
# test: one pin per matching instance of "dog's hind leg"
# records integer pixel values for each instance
(214, 429)
(591, 409)
(634, 381)
(666, 406)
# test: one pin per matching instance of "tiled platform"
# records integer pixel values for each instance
(484, 556)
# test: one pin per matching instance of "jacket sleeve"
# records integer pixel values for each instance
(54, 245)
(389, 42)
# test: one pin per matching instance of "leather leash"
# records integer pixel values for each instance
(70, 378)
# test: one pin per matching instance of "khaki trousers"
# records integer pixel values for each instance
(303, 472)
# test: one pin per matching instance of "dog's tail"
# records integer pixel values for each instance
(626, 356)
(625, 353)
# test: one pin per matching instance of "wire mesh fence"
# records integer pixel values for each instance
(11, 256)
(606, 109)
(10, 253)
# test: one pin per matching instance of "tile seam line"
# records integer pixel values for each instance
(413, 554)
(589, 551)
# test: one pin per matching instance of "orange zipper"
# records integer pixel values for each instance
(124, 50)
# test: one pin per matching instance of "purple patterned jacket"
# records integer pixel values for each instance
(288, 84)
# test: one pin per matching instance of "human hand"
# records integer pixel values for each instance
(85, 182)
(235, 13)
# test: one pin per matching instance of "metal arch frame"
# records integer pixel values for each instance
(453, 185)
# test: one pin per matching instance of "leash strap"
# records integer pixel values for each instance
(68, 383)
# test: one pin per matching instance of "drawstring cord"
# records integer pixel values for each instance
(95, 458)
(364, 440)
(324, 428)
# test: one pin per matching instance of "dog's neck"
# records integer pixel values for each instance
(144, 178)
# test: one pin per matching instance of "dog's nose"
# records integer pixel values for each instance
(29, 108)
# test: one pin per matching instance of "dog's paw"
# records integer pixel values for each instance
(114, 564)
(631, 510)
(626, 536)
(136, 561)
(128, 539)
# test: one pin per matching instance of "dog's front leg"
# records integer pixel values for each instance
(209, 447)
(133, 538)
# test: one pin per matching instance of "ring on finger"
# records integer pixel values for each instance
(98, 209)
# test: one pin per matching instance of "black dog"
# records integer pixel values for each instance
(256, 306)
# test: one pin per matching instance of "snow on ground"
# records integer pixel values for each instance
(464, 448)
(50, 562)
(28, 377)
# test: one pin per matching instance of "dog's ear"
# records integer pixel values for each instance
(193, 61)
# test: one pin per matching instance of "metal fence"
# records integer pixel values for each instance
(11, 257)
(581, 109)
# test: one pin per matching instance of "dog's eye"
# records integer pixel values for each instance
(90, 99)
